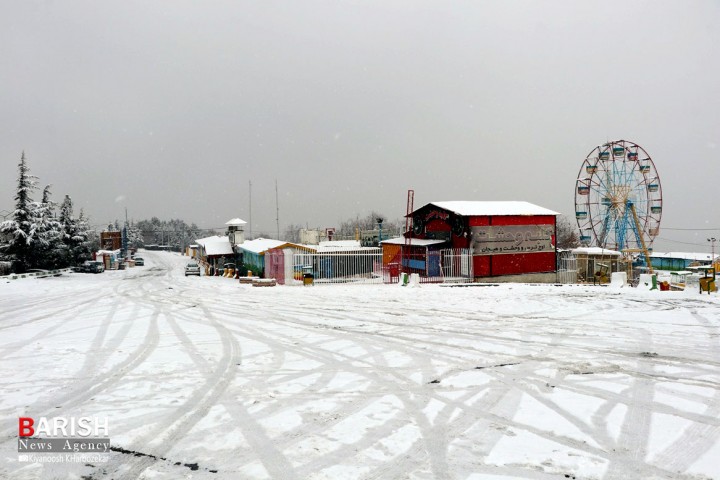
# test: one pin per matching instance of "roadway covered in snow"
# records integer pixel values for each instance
(206, 378)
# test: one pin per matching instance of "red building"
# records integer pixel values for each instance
(504, 238)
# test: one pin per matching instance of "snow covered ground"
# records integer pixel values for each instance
(206, 378)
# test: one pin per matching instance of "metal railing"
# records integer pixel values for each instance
(567, 268)
(449, 265)
(440, 266)
(341, 267)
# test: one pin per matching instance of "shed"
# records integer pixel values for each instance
(253, 251)
(279, 262)
(417, 259)
(679, 260)
(591, 259)
(215, 250)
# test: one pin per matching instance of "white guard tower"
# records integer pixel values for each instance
(236, 231)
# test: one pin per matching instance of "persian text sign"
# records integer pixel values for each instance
(496, 240)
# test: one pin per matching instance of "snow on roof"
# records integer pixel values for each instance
(421, 242)
(260, 245)
(697, 257)
(338, 244)
(342, 246)
(236, 222)
(216, 245)
(297, 246)
(214, 238)
(472, 208)
(596, 251)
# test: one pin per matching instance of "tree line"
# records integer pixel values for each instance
(42, 234)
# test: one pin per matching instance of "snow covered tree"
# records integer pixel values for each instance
(68, 233)
(134, 235)
(45, 231)
(82, 241)
(20, 228)
(68, 225)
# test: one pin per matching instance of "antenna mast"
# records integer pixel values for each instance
(250, 211)
(277, 210)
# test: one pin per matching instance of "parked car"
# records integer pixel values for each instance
(92, 266)
(139, 262)
(192, 268)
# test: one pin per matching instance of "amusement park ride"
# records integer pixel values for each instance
(618, 199)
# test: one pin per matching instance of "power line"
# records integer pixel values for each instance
(684, 243)
(693, 229)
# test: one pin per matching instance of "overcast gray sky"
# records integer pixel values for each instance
(168, 108)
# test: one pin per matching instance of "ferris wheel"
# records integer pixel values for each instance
(618, 197)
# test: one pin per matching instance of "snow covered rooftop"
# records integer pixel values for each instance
(108, 252)
(260, 245)
(338, 244)
(343, 246)
(596, 251)
(421, 242)
(236, 222)
(694, 256)
(215, 245)
(471, 208)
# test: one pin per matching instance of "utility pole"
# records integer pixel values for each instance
(712, 241)
(250, 210)
(277, 211)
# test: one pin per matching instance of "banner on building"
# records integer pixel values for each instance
(512, 239)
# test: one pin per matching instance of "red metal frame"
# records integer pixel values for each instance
(408, 229)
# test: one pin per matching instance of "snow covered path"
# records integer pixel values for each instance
(206, 378)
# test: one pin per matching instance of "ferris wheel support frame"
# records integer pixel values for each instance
(642, 238)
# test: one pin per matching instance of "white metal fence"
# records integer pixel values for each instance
(341, 267)
(567, 268)
(456, 264)
(440, 266)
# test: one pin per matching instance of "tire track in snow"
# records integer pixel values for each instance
(85, 390)
(163, 437)
(699, 437)
(633, 439)
(328, 360)
(436, 450)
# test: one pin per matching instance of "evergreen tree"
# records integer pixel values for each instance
(20, 228)
(68, 232)
(134, 235)
(45, 231)
(67, 221)
(82, 244)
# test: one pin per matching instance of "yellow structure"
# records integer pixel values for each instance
(707, 282)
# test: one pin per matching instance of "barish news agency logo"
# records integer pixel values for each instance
(75, 438)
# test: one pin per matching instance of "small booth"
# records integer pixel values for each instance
(596, 265)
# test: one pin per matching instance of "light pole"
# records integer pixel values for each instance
(712, 241)
(379, 222)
